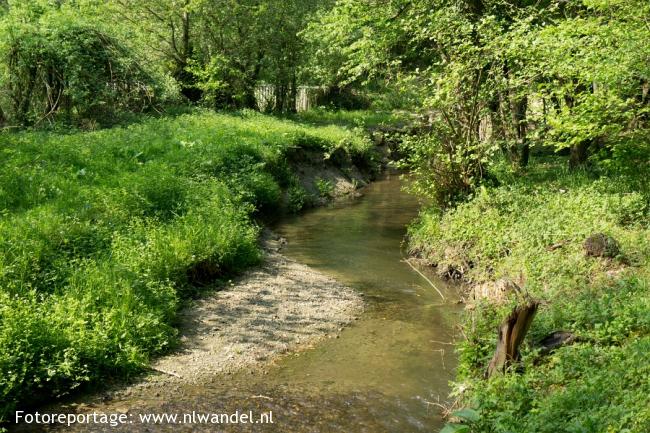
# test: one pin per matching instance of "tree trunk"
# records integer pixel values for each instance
(280, 97)
(511, 334)
(249, 100)
(518, 108)
(187, 49)
(524, 157)
(293, 99)
(25, 101)
(250, 82)
(516, 128)
(183, 50)
(579, 154)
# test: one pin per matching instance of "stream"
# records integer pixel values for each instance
(385, 373)
(387, 370)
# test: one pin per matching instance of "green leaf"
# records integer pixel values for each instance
(455, 428)
(467, 414)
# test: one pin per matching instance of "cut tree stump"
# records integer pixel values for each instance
(511, 334)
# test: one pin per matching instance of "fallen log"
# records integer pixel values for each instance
(555, 340)
(512, 332)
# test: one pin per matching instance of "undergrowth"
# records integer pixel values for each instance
(102, 234)
(531, 230)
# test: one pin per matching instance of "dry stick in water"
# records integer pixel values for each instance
(441, 342)
(425, 277)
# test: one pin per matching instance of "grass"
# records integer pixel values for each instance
(103, 234)
(351, 118)
(600, 383)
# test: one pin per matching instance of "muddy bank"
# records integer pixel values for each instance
(329, 177)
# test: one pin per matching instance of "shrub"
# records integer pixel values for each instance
(61, 66)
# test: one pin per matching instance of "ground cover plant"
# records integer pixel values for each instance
(104, 233)
(532, 230)
(527, 124)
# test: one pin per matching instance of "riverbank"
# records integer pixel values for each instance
(532, 232)
(276, 308)
(383, 373)
(106, 234)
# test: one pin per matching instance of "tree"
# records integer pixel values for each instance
(569, 74)
(587, 64)
(167, 29)
(56, 61)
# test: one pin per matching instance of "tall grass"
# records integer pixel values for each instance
(102, 234)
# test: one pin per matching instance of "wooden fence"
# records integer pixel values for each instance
(306, 97)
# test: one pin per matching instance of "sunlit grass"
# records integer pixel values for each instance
(531, 230)
(103, 233)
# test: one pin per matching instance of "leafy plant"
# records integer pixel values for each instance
(468, 415)
(56, 66)
(325, 187)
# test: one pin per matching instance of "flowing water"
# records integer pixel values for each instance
(386, 372)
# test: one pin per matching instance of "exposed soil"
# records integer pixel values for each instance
(343, 176)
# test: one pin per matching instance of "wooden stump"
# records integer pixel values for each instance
(511, 334)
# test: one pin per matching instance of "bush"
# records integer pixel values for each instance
(57, 67)
(443, 169)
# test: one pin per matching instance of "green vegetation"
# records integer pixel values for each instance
(495, 77)
(87, 61)
(530, 130)
(532, 230)
(501, 80)
(356, 118)
(104, 233)
(324, 188)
